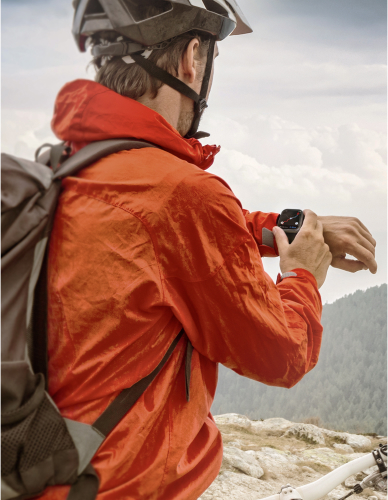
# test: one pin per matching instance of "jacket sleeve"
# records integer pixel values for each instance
(214, 281)
(257, 223)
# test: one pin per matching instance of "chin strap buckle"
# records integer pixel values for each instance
(201, 105)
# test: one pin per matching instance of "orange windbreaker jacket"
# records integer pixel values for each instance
(145, 242)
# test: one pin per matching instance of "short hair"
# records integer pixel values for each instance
(132, 81)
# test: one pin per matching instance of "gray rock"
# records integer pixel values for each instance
(344, 447)
(357, 441)
(271, 424)
(242, 461)
(337, 493)
(308, 470)
(324, 456)
(236, 444)
(354, 479)
(340, 436)
(308, 432)
(233, 419)
(276, 462)
(233, 486)
(353, 440)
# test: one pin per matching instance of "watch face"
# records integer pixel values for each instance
(291, 219)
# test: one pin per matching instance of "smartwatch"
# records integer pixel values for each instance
(291, 220)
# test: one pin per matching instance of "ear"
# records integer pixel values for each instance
(187, 70)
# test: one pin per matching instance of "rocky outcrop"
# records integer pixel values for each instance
(242, 461)
(315, 435)
(307, 432)
(262, 456)
(357, 441)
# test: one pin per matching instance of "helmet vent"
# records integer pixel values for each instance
(215, 7)
(94, 7)
(147, 9)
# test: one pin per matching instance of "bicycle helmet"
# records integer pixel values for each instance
(139, 32)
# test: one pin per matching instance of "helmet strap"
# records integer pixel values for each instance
(165, 77)
(200, 103)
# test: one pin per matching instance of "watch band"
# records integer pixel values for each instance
(267, 237)
(291, 237)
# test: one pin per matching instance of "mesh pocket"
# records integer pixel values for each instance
(34, 439)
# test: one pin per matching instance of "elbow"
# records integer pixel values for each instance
(291, 383)
(292, 371)
(288, 380)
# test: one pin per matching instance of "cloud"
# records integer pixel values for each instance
(37, 35)
(37, 89)
(329, 22)
(270, 162)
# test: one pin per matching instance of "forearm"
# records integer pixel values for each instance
(240, 318)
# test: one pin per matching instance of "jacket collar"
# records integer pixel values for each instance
(86, 111)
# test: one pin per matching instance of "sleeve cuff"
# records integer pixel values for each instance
(297, 273)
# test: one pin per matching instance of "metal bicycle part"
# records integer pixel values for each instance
(380, 456)
(376, 481)
(324, 485)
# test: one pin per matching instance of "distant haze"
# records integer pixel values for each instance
(299, 106)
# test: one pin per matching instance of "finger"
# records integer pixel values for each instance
(281, 239)
(357, 221)
(367, 236)
(367, 245)
(351, 245)
(310, 220)
(356, 230)
(349, 265)
(363, 255)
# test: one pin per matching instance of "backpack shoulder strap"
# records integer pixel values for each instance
(96, 150)
(120, 406)
(87, 155)
(91, 439)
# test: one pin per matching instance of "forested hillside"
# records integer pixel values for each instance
(347, 389)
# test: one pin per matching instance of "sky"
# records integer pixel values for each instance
(298, 107)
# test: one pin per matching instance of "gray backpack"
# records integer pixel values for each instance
(39, 447)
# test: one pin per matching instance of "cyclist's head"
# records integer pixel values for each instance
(159, 30)
(132, 81)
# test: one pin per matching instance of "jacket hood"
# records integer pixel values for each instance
(86, 111)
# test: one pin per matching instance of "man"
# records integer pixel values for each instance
(146, 242)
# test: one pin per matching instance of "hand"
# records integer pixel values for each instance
(308, 250)
(348, 235)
